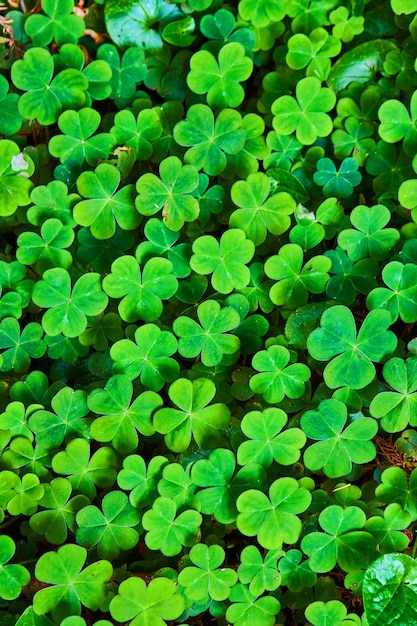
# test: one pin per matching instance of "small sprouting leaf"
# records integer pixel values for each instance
(210, 338)
(389, 590)
(142, 292)
(68, 308)
(277, 379)
(122, 419)
(105, 205)
(70, 585)
(144, 605)
(273, 520)
(268, 439)
(337, 447)
(205, 578)
(12, 577)
(147, 357)
(351, 357)
(220, 80)
(79, 140)
(195, 416)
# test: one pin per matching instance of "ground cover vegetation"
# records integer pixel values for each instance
(208, 273)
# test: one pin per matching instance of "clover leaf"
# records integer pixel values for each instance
(146, 604)
(142, 292)
(171, 193)
(401, 296)
(60, 511)
(397, 408)
(52, 201)
(46, 97)
(12, 576)
(110, 529)
(11, 120)
(207, 139)
(369, 238)
(294, 279)
(337, 447)
(79, 140)
(204, 578)
(259, 211)
(141, 479)
(220, 79)
(349, 277)
(342, 542)
(395, 486)
(210, 337)
(168, 532)
(306, 115)
(137, 133)
(296, 573)
(127, 70)
(387, 530)
(69, 417)
(225, 259)
(354, 140)
(20, 346)
(68, 308)
(262, 13)
(160, 241)
(398, 124)
(248, 609)
(337, 182)
(260, 573)
(313, 51)
(85, 471)
(273, 520)
(266, 443)
(70, 585)
(276, 378)
(122, 419)
(46, 250)
(15, 170)
(351, 356)
(59, 24)
(221, 484)
(195, 416)
(105, 205)
(147, 357)
(176, 484)
(333, 612)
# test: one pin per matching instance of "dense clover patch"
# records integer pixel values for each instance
(208, 269)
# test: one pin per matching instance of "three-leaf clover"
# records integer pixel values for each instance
(395, 486)
(295, 281)
(79, 140)
(266, 443)
(15, 170)
(147, 357)
(260, 573)
(276, 378)
(259, 211)
(12, 576)
(110, 528)
(246, 608)
(195, 416)
(337, 182)
(337, 447)
(273, 520)
(170, 192)
(70, 586)
(204, 578)
(141, 479)
(343, 540)
(121, 418)
(306, 114)
(351, 355)
(220, 80)
(146, 604)
(105, 205)
(400, 299)
(142, 292)
(46, 250)
(68, 308)
(397, 123)
(370, 237)
(397, 407)
(137, 133)
(59, 24)
(210, 338)
(19, 346)
(226, 259)
(167, 531)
